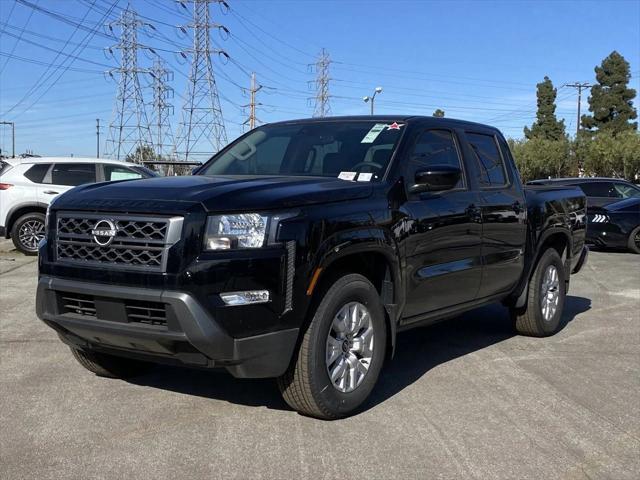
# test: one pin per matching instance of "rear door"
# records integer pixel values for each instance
(504, 212)
(64, 176)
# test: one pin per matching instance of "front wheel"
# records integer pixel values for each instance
(341, 353)
(634, 240)
(109, 366)
(27, 232)
(547, 289)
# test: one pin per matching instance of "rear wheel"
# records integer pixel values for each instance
(27, 232)
(634, 240)
(110, 366)
(341, 353)
(547, 289)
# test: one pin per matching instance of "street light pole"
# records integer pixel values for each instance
(13, 137)
(372, 97)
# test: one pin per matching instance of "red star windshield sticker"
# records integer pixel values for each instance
(395, 126)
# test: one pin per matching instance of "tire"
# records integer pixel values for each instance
(535, 320)
(27, 231)
(307, 386)
(110, 366)
(634, 240)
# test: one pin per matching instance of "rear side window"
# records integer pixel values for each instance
(627, 191)
(599, 189)
(37, 172)
(73, 174)
(490, 164)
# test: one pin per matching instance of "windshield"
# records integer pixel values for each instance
(351, 150)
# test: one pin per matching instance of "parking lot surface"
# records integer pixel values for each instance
(462, 399)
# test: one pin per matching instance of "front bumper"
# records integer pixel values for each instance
(158, 325)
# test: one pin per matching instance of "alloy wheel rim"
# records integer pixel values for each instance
(550, 293)
(31, 232)
(349, 347)
(636, 239)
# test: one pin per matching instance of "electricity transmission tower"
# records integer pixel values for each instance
(129, 132)
(162, 110)
(255, 88)
(322, 108)
(202, 130)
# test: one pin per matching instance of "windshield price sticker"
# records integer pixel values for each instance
(347, 176)
(374, 132)
(365, 177)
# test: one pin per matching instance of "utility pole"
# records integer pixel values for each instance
(129, 132)
(97, 138)
(13, 137)
(202, 130)
(580, 86)
(255, 88)
(322, 108)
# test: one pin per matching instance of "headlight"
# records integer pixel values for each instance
(247, 230)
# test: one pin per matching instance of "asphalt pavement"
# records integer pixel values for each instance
(462, 399)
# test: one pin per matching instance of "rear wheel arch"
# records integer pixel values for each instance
(18, 211)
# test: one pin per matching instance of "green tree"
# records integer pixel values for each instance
(142, 153)
(611, 101)
(438, 113)
(546, 125)
(611, 155)
(542, 158)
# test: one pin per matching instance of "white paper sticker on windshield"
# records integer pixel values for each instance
(365, 177)
(347, 175)
(373, 133)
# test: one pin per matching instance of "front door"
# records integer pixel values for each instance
(443, 242)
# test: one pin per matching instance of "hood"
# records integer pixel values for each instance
(215, 194)
(629, 204)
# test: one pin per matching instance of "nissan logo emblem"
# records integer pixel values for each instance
(104, 232)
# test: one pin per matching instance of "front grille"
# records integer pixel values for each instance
(77, 303)
(150, 313)
(129, 242)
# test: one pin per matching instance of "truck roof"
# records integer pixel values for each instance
(443, 121)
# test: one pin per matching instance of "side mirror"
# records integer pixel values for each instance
(436, 179)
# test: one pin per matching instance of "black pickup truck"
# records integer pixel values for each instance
(300, 250)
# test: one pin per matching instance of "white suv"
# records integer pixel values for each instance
(28, 185)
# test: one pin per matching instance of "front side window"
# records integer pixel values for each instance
(115, 172)
(625, 190)
(434, 147)
(328, 149)
(488, 158)
(73, 174)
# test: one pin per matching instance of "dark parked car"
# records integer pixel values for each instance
(599, 191)
(301, 249)
(617, 225)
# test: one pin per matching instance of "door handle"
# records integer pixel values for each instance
(51, 192)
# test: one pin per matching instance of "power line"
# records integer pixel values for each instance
(15, 45)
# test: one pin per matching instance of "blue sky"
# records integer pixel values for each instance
(476, 60)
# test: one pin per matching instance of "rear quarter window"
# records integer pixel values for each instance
(37, 172)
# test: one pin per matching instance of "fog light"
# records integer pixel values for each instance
(245, 298)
